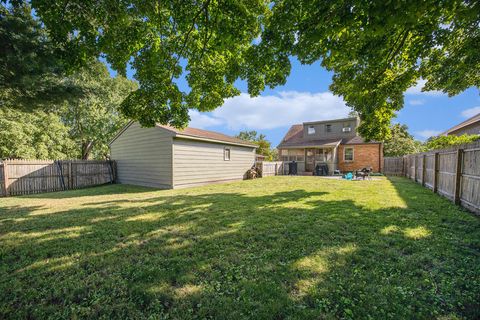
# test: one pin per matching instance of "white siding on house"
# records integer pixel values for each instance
(198, 162)
(144, 156)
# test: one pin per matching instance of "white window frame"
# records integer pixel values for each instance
(328, 128)
(311, 130)
(225, 152)
(345, 153)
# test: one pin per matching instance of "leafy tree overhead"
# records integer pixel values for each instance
(264, 146)
(34, 135)
(94, 118)
(401, 142)
(375, 49)
(442, 142)
(31, 71)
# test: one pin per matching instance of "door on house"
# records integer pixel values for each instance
(309, 160)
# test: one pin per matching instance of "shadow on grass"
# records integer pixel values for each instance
(290, 254)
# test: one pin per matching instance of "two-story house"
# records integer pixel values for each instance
(334, 143)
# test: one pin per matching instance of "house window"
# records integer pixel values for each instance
(328, 128)
(347, 127)
(226, 154)
(311, 130)
(348, 154)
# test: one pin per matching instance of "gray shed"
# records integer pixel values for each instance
(166, 157)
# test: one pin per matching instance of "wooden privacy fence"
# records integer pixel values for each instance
(18, 177)
(270, 168)
(453, 173)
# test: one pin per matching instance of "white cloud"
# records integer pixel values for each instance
(417, 90)
(200, 120)
(273, 111)
(468, 113)
(416, 102)
(425, 134)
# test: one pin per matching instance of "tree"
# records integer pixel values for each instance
(442, 142)
(264, 146)
(375, 49)
(401, 142)
(94, 117)
(31, 73)
(34, 135)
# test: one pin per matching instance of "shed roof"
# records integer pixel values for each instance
(196, 134)
(206, 134)
(469, 121)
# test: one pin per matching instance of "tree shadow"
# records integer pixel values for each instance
(290, 254)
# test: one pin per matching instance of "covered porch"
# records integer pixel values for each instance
(308, 157)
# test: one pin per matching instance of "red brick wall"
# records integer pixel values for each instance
(364, 155)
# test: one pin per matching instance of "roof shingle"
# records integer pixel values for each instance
(206, 134)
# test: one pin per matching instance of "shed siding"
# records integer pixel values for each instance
(198, 162)
(144, 156)
(473, 128)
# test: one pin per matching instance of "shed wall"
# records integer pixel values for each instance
(198, 162)
(144, 156)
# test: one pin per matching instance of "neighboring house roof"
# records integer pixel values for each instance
(196, 134)
(295, 138)
(469, 121)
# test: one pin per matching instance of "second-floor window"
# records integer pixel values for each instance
(311, 130)
(328, 128)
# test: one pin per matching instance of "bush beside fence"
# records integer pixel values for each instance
(453, 173)
(19, 177)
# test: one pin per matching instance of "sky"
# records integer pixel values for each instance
(305, 97)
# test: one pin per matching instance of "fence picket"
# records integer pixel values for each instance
(19, 177)
(453, 173)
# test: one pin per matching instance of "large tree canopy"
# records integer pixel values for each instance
(34, 135)
(32, 73)
(401, 142)
(376, 49)
(94, 117)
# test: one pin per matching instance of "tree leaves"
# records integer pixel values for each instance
(375, 49)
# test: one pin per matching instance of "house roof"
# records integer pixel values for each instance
(469, 121)
(189, 132)
(295, 138)
(196, 134)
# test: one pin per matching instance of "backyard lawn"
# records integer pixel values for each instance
(273, 248)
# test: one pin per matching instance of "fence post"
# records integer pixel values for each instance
(415, 168)
(435, 173)
(275, 168)
(70, 178)
(423, 169)
(5, 178)
(458, 176)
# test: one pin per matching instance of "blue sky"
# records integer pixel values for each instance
(305, 97)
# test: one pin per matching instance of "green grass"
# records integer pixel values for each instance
(273, 248)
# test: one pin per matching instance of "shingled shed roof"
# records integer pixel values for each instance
(469, 121)
(196, 134)
(206, 134)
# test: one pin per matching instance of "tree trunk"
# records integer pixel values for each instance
(86, 149)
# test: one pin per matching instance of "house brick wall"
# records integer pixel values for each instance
(364, 155)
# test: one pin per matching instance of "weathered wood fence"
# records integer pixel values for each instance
(18, 177)
(270, 168)
(453, 173)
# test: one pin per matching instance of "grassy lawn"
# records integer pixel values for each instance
(273, 248)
